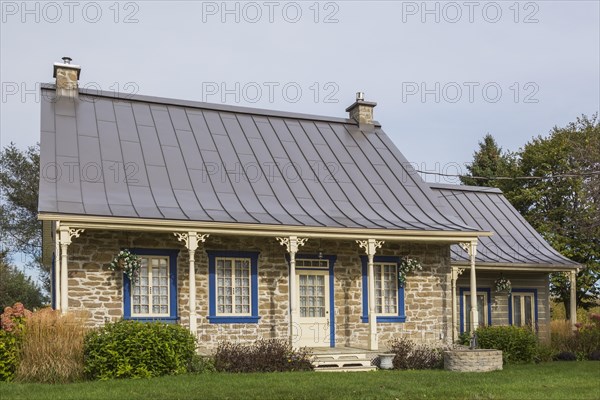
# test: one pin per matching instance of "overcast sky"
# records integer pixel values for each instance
(443, 73)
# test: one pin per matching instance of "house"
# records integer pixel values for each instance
(257, 223)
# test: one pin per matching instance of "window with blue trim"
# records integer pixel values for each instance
(522, 307)
(233, 287)
(153, 296)
(484, 308)
(389, 295)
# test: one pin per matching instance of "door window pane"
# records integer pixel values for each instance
(312, 295)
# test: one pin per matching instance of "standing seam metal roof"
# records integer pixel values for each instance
(144, 157)
(514, 241)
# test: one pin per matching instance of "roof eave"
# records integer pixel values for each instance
(229, 228)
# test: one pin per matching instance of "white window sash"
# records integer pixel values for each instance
(233, 260)
(151, 287)
(379, 271)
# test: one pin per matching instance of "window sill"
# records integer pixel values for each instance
(213, 319)
(166, 320)
(385, 319)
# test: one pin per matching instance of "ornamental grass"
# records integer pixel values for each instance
(52, 348)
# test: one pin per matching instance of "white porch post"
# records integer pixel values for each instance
(65, 235)
(191, 240)
(573, 297)
(56, 289)
(371, 246)
(455, 328)
(471, 249)
(292, 243)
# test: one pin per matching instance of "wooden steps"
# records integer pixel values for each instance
(343, 360)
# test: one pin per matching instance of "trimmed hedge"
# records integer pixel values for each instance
(131, 349)
(517, 344)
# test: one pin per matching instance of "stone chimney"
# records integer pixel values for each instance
(67, 77)
(362, 111)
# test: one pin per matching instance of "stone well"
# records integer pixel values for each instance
(478, 360)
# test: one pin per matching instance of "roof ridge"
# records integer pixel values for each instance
(464, 188)
(209, 106)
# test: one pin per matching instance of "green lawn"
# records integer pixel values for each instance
(558, 380)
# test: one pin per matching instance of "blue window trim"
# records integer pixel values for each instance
(365, 292)
(173, 317)
(462, 305)
(535, 304)
(213, 318)
(332, 259)
(53, 281)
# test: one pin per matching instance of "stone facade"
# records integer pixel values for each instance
(473, 360)
(99, 291)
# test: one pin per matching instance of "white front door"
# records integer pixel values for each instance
(313, 309)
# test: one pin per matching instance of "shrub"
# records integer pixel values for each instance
(261, 356)
(201, 364)
(131, 349)
(584, 341)
(52, 348)
(409, 355)
(517, 344)
(544, 353)
(9, 355)
(565, 356)
(595, 355)
(12, 324)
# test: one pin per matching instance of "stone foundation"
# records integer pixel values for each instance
(477, 360)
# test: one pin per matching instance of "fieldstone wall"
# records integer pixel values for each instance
(473, 360)
(97, 290)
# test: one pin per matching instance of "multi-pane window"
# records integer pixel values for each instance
(482, 311)
(150, 292)
(386, 288)
(312, 295)
(233, 286)
(312, 263)
(523, 309)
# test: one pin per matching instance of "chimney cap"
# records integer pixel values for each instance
(66, 64)
(360, 100)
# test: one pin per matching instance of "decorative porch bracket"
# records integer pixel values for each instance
(456, 272)
(192, 240)
(371, 246)
(471, 249)
(573, 298)
(65, 236)
(292, 244)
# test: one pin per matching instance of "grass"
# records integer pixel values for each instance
(558, 380)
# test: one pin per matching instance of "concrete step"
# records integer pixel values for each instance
(346, 369)
(362, 362)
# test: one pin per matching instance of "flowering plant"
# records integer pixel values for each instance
(406, 266)
(13, 318)
(502, 285)
(128, 262)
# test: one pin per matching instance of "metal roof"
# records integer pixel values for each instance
(514, 241)
(146, 157)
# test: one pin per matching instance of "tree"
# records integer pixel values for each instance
(565, 208)
(491, 162)
(15, 286)
(563, 205)
(20, 229)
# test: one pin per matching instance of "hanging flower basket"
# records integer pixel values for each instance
(502, 285)
(127, 262)
(406, 266)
